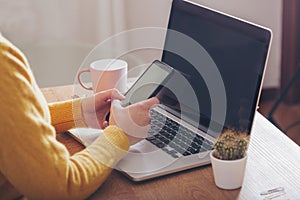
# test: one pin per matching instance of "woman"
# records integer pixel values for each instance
(32, 162)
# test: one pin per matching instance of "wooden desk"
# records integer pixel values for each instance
(274, 161)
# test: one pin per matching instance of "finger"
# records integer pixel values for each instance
(109, 94)
(105, 124)
(150, 102)
(116, 94)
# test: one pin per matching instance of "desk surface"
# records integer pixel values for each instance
(274, 161)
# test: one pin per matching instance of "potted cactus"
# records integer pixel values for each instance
(229, 159)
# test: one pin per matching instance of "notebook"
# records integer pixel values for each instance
(220, 63)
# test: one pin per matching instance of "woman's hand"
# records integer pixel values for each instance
(134, 119)
(96, 107)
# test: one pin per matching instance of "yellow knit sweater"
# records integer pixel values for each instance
(32, 162)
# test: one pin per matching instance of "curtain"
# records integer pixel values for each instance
(92, 21)
(56, 35)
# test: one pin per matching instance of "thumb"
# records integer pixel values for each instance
(110, 94)
(150, 102)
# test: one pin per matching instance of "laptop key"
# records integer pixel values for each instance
(192, 150)
(171, 152)
(176, 147)
(164, 140)
(167, 135)
(195, 145)
(172, 132)
(160, 145)
(156, 142)
(207, 145)
(186, 153)
(151, 138)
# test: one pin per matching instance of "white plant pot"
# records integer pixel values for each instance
(228, 174)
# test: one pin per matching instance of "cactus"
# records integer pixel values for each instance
(231, 145)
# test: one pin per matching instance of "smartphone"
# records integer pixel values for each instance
(149, 83)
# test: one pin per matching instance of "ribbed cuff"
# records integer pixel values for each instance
(66, 115)
(77, 113)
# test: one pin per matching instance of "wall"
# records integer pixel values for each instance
(56, 44)
(267, 13)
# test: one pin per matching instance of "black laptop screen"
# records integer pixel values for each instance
(238, 50)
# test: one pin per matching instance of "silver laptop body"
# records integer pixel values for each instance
(178, 142)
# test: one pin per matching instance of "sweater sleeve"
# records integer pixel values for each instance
(66, 115)
(31, 159)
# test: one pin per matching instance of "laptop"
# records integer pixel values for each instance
(220, 63)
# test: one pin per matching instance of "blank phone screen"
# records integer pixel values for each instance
(147, 83)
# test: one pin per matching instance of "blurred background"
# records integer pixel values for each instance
(57, 35)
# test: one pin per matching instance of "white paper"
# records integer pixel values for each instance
(85, 136)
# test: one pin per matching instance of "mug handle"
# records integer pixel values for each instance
(79, 80)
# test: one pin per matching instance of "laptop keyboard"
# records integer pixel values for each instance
(174, 138)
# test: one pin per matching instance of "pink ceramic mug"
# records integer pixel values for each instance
(106, 74)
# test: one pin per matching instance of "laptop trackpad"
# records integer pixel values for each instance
(144, 157)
